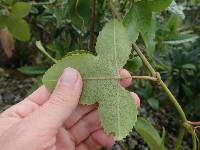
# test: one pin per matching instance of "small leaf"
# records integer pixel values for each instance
(173, 23)
(149, 134)
(181, 38)
(163, 139)
(189, 66)
(158, 5)
(32, 70)
(41, 48)
(117, 110)
(19, 28)
(133, 64)
(177, 10)
(154, 103)
(20, 9)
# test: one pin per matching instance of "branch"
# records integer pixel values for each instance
(186, 124)
(194, 140)
(163, 85)
(92, 24)
(173, 100)
(196, 127)
(194, 123)
(114, 11)
(144, 59)
(180, 138)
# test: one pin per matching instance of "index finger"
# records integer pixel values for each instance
(125, 82)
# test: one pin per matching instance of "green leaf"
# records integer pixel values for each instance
(188, 92)
(147, 91)
(117, 110)
(3, 21)
(32, 70)
(19, 28)
(137, 19)
(41, 48)
(79, 13)
(158, 5)
(189, 66)
(181, 38)
(173, 23)
(133, 64)
(130, 23)
(20, 9)
(154, 103)
(163, 139)
(148, 35)
(149, 134)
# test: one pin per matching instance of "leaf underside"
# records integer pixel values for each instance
(117, 110)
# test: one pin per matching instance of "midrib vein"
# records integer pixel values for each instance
(116, 66)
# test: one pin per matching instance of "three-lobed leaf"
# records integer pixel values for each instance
(117, 110)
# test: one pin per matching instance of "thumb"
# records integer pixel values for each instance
(62, 101)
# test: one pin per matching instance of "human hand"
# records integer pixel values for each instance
(45, 121)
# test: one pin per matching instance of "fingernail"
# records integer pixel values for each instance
(69, 76)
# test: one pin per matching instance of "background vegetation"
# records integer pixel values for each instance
(65, 25)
